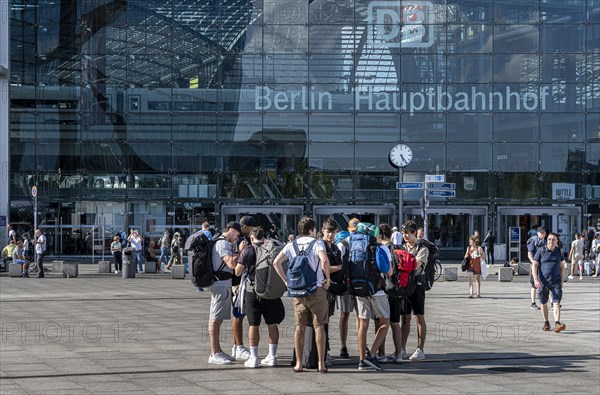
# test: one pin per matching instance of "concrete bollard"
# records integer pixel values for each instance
(57, 266)
(450, 274)
(104, 267)
(15, 270)
(524, 269)
(150, 267)
(178, 271)
(70, 269)
(505, 274)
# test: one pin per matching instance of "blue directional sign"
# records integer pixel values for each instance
(437, 193)
(435, 178)
(409, 185)
(441, 185)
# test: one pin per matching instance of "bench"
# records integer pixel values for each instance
(450, 274)
(70, 269)
(15, 270)
(178, 271)
(104, 267)
(505, 274)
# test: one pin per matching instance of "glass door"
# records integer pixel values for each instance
(343, 214)
(450, 228)
(281, 219)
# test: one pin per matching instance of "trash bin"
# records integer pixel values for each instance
(129, 263)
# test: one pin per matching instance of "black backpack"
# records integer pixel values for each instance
(427, 278)
(199, 249)
(339, 279)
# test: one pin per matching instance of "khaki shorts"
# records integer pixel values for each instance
(315, 304)
(220, 303)
(378, 305)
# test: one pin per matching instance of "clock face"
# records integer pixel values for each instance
(401, 155)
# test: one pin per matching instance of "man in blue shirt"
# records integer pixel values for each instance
(547, 268)
(534, 243)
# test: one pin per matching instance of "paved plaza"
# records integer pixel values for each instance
(99, 333)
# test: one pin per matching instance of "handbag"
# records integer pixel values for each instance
(465, 264)
(485, 271)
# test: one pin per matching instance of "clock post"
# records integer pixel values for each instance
(400, 198)
(400, 156)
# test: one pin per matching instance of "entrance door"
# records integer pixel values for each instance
(285, 218)
(565, 221)
(450, 228)
(343, 214)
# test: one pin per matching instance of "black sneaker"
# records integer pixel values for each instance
(372, 362)
(534, 306)
(344, 353)
(546, 326)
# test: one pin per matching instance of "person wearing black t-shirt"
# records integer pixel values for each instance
(272, 310)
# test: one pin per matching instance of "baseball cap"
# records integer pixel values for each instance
(395, 228)
(248, 220)
(234, 225)
(352, 224)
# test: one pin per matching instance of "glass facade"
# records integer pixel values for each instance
(158, 114)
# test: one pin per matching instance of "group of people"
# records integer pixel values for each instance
(170, 249)
(585, 254)
(24, 252)
(235, 255)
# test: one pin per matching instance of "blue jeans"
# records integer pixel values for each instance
(138, 259)
(164, 254)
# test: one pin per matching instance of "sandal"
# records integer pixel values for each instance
(298, 370)
(322, 370)
(546, 326)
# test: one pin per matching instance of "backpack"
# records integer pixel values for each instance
(301, 278)
(267, 283)
(339, 283)
(404, 279)
(362, 272)
(200, 249)
(427, 278)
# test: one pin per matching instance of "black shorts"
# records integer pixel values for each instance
(271, 309)
(415, 304)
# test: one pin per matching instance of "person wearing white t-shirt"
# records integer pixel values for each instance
(315, 304)
(40, 249)
(396, 236)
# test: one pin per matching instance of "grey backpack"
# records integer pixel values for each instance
(267, 283)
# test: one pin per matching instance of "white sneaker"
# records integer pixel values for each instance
(570, 277)
(116, 272)
(397, 359)
(251, 363)
(269, 361)
(227, 356)
(402, 353)
(218, 359)
(418, 355)
(242, 354)
(382, 358)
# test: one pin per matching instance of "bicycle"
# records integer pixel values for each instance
(438, 270)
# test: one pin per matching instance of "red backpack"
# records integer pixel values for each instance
(403, 279)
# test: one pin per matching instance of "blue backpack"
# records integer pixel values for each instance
(361, 270)
(301, 278)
